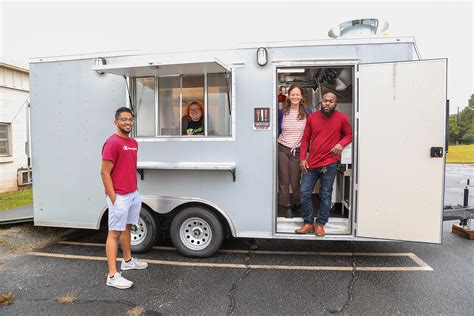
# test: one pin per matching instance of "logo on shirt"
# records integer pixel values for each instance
(129, 148)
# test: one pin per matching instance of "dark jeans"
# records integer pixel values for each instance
(327, 175)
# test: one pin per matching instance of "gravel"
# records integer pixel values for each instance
(18, 239)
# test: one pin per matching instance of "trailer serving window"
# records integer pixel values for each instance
(162, 103)
(161, 95)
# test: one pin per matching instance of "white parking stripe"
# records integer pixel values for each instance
(423, 266)
(236, 265)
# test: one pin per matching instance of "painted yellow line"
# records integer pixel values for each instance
(418, 260)
(233, 265)
(410, 255)
(393, 269)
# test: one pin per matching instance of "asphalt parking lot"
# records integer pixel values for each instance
(282, 277)
(267, 277)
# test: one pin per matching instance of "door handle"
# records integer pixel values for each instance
(436, 152)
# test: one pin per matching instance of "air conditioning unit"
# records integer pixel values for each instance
(24, 176)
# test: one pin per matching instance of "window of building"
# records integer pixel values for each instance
(5, 139)
(170, 105)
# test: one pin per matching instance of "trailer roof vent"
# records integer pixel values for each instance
(359, 28)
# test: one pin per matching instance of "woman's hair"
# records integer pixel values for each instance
(186, 109)
(302, 108)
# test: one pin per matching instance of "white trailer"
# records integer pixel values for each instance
(390, 182)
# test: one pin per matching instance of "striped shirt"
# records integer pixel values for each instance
(291, 129)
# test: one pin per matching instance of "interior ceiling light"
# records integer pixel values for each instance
(290, 70)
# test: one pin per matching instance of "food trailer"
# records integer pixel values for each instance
(202, 188)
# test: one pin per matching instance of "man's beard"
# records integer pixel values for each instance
(125, 131)
(327, 113)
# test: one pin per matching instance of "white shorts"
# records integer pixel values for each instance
(126, 210)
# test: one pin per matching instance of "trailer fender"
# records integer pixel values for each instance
(164, 205)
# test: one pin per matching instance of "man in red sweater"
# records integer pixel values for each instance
(326, 134)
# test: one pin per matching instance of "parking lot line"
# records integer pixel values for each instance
(422, 266)
(236, 265)
(410, 255)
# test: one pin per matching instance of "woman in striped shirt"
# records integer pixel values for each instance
(291, 123)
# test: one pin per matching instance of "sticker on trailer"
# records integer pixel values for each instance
(261, 118)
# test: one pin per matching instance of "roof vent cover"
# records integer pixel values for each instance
(359, 28)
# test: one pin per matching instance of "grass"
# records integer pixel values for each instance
(136, 311)
(69, 298)
(460, 154)
(16, 199)
(6, 299)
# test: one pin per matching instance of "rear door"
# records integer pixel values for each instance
(400, 186)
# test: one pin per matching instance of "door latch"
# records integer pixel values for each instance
(436, 152)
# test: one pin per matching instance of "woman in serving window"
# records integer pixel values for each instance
(192, 123)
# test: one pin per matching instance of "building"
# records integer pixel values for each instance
(14, 147)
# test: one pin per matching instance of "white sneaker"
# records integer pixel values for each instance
(119, 281)
(133, 264)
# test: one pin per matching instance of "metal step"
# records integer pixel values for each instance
(335, 225)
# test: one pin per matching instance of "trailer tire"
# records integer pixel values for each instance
(143, 235)
(196, 232)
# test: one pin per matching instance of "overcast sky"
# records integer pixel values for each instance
(39, 28)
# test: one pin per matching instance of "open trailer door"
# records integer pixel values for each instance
(401, 142)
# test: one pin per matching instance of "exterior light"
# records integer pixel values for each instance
(100, 61)
(262, 56)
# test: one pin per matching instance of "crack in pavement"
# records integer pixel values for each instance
(350, 289)
(235, 285)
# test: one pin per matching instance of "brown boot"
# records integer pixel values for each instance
(305, 229)
(320, 230)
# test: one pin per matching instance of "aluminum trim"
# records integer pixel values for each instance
(191, 165)
(270, 45)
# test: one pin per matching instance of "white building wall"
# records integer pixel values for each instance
(14, 91)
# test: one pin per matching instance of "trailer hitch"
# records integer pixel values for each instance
(461, 213)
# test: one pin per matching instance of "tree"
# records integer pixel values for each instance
(461, 129)
(453, 130)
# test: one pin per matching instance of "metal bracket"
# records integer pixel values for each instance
(141, 172)
(233, 174)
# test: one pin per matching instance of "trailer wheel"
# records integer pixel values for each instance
(144, 233)
(196, 232)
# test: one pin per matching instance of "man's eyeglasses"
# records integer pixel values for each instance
(124, 120)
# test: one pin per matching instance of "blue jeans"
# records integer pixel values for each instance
(327, 175)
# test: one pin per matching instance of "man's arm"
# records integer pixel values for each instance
(347, 132)
(106, 169)
(346, 140)
(305, 140)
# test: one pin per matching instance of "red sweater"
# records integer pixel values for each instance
(323, 133)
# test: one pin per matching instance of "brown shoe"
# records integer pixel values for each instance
(320, 230)
(305, 229)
